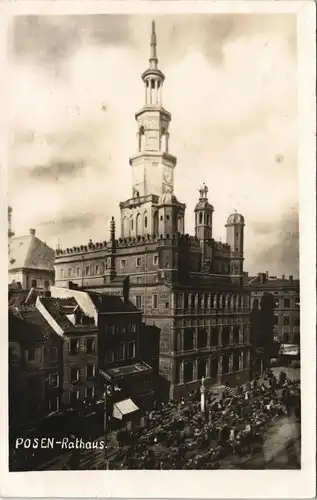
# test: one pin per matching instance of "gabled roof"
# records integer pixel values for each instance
(28, 325)
(59, 309)
(31, 253)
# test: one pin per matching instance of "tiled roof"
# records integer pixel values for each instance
(28, 325)
(58, 308)
(30, 252)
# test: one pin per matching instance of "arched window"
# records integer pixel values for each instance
(208, 220)
(145, 221)
(225, 363)
(214, 336)
(236, 331)
(200, 217)
(131, 224)
(202, 368)
(155, 223)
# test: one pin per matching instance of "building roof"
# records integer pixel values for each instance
(271, 284)
(121, 371)
(60, 308)
(111, 303)
(31, 253)
(235, 219)
(28, 325)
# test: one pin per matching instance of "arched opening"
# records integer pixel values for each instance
(202, 338)
(225, 363)
(214, 367)
(188, 339)
(236, 331)
(131, 225)
(235, 362)
(214, 336)
(202, 368)
(145, 220)
(208, 220)
(225, 336)
(155, 223)
(125, 227)
(200, 217)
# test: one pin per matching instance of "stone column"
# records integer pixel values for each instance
(208, 328)
(189, 301)
(181, 373)
(221, 302)
(215, 300)
(241, 360)
(219, 335)
(231, 335)
(195, 369)
(219, 376)
(231, 363)
(209, 301)
(208, 368)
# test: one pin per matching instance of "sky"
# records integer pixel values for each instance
(231, 87)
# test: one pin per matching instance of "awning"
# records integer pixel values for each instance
(289, 350)
(123, 408)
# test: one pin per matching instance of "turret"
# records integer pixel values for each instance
(235, 238)
(203, 215)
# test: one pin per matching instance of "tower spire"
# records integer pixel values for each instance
(153, 59)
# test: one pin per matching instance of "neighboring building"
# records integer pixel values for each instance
(31, 261)
(286, 304)
(35, 353)
(189, 287)
(79, 333)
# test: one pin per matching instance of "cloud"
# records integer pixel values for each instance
(230, 86)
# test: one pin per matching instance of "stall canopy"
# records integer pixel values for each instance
(289, 350)
(123, 408)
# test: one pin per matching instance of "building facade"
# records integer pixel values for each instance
(286, 295)
(31, 261)
(35, 364)
(189, 287)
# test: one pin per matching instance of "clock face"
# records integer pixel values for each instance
(168, 175)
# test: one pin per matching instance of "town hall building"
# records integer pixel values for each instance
(190, 287)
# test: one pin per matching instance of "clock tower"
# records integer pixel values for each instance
(152, 164)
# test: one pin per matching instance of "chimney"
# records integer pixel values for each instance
(267, 275)
(32, 232)
(283, 276)
(291, 279)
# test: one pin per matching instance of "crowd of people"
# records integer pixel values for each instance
(181, 436)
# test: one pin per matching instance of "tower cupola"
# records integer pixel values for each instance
(203, 215)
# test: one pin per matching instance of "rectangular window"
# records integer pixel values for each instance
(97, 269)
(90, 371)
(46, 284)
(138, 301)
(33, 283)
(138, 261)
(154, 301)
(286, 320)
(188, 371)
(53, 404)
(87, 270)
(74, 375)
(131, 349)
(78, 271)
(155, 260)
(121, 351)
(62, 273)
(287, 302)
(275, 320)
(122, 264)
(73, 346)
(166, 305)
(70, 271)
(167, 217)
(296, 321)
(53, 380)
(74, 397)
(90, 346)
(52, 354)
(89, 392)
(138, 279)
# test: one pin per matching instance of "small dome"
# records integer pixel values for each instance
(235, 219)
(168, 198)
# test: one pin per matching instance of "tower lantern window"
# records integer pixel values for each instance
(200, 217)
(153, 84)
